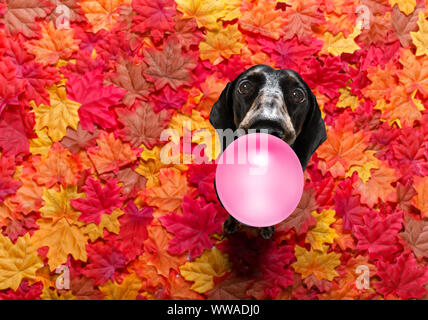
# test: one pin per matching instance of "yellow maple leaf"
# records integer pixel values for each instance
(322, 233)
(212, 263)
(17, 261)
(55, 44)
(108, 221)
(221, 44)
(127, 290)
(62, 239)
(102, 14)
(338, 44)
(205, 12)
(42, 144)
(57, 204)
(405, 6)
(59, 115)
(319, 263)
(364, 170)
(420, 37)
(231, 9)
(52, 294)
(347, 99)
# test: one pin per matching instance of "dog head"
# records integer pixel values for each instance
(278, 101)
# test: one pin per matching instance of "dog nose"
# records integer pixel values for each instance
(269, 126)
(276, 132)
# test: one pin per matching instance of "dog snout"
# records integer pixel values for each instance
(273, 127)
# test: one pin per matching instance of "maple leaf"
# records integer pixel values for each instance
(131, 182)
(126, 290)
(111, 154)
(212, 263)
(419, 37)
(102, 14)
(169, 66)
(263, 19)
(415, 236)
(421, 188)
(103, 263)
(83, 288)
(403, 24)
(57, 204)
(157, 13)
(343, 148)
(406, 6)
(24, 292)
(403, 109)
(11, 86)
(203, 176)
(58, 116)
(74, 10)
(133, 229)
(51, 294)
(129, 76)
(169, 195)
(319, 263)
(59, 167)
(205, 12)
(14, 127)
(142, 126)
(378, 186)
(193, 228)
(95, 99)
(79, 139)
(17, 261)
(62, 239)
(403, 278)
(302, 217)
(21, 15)
(169, 99)
(322, 233)
(179, 289)
(377, 33)
(187, 31)
(378, 234)
(55, 44)
(99, 200)
(221, 44)
(338, 44)
(300, 19)
(233, 287)
(8, 185)
(414, 74)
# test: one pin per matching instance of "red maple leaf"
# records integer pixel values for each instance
(169, 99)
(169, 66)
(95, 98)
(99, 200)
(103, 263)
(275, 266)
(10, 86)
(133, 229)
(8, 185)
(378, 233)
(203, 176)
(404, 278)
(24, 292)
(193, 228)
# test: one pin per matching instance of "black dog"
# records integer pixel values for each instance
(278, 101)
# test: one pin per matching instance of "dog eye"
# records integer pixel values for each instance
(245, 87)
(298, 95)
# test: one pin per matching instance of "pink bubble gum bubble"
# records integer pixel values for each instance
(259, 179)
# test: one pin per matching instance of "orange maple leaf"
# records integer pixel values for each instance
(169, 195)
(102, 14)
(378, 186)
(111, 153)
(263, 19)
(343, 148)
(55, 44)
(382, 82)
(402, 108)
(179, 289)
(155, 251)
(211, 90)
(59, 167)
(415, 72)
(420, 200)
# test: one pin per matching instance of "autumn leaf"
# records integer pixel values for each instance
(319, 263)
(321, 233)
(414, 74)
(221, 44)
(142, 126)
(406, 6)
(126, 290)
(233, 287)
(55, 44)
(419, 37)
(21, 15)
(212, 263)
(415, 236)
(99, 200)
(62, 239)
(205, 12)
(193, 228)
(403, 25)
(338, 44)
(102, 14)
(378, 186)
(110, 154)
(168, 67)
(17, 261)
(169, 194)
(421, 187)
(78, 139)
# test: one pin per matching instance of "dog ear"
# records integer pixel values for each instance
(312, 135)
(221, 116)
